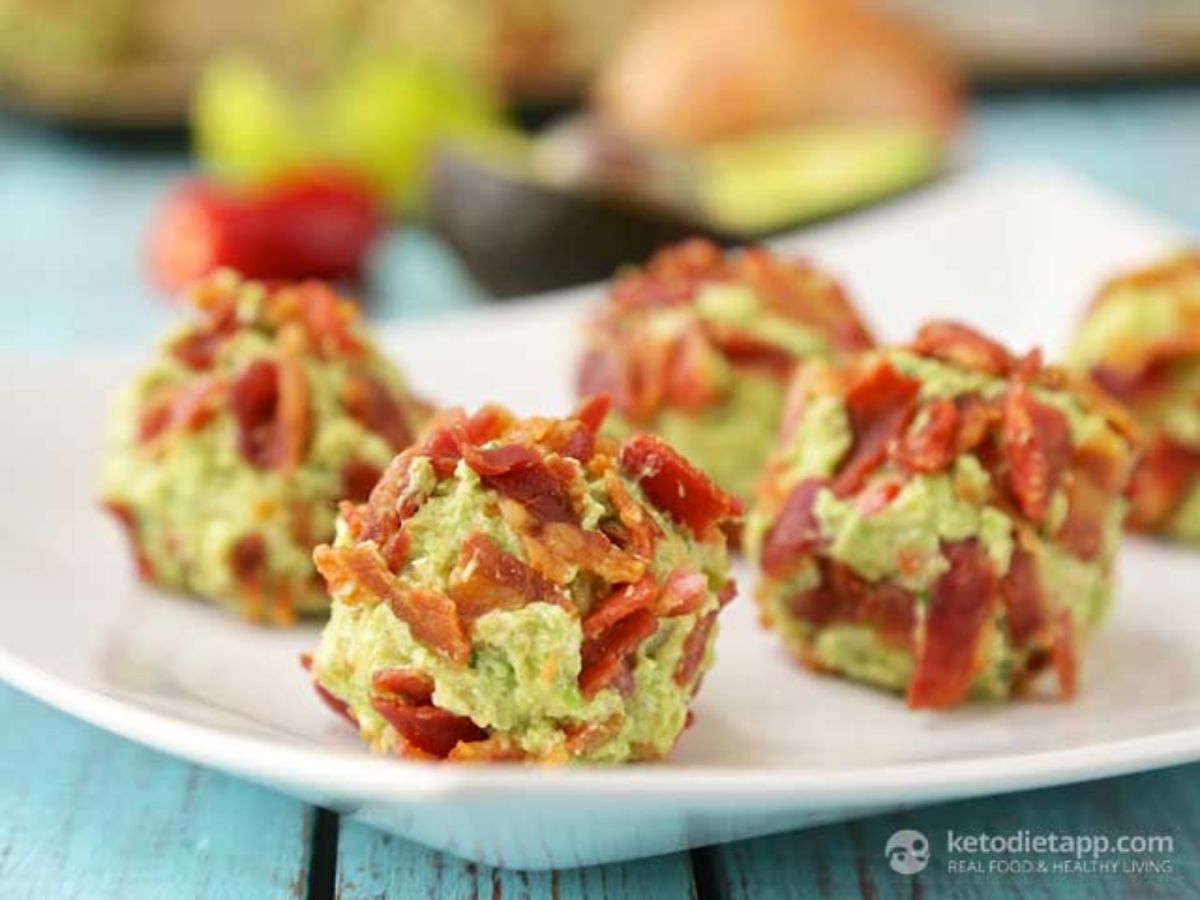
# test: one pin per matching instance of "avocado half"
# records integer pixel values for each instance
(518, 232)
(531, 214)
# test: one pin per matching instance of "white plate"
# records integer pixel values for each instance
(772, 748)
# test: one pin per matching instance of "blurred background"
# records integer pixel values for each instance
(438, 154)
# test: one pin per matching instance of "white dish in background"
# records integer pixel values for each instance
(773, 748)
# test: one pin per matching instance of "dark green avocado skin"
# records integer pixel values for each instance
(518, 236)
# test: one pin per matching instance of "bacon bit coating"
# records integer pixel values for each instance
(513, 529)
(676, 486)
(1140, 342)
(922, 507)
(255, 418)
(697, 336)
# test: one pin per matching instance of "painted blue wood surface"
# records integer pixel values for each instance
(847, 859)
(87, 815)
(375, 865)
(84, 814)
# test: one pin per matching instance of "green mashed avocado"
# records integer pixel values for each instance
(521, 682)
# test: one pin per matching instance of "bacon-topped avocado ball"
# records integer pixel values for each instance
(698, 345)
(228, 454)
(525, 589)
(1140, 341)
(940, 519)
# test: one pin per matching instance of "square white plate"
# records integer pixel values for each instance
(773, 748)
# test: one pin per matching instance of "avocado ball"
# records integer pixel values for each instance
(227, 455)
(525, 590)
(698, 345)
(940, 519)
(1140, 340)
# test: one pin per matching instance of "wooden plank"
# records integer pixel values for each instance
(847, 860)
(86, 814)
(372, 864)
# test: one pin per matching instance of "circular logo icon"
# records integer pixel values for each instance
(907, 851)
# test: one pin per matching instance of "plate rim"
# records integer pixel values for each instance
(360, 774)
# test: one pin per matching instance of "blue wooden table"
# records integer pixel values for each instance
(84, 814)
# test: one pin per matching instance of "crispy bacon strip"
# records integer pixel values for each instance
(407, 685)
(430, 730)
(544, 494)
(959, 614)
(845, 596)
(932, 448)
(618, 604)
(186, 408)
(372, 404)
(641, 530)
(694, 646)
(336, 704)
(269, 402)
(1167, 471)
(431, 617)
(689, 379)
(325, 316)
(684, 592)
(675, 486)
(128, 522)
(1021, 592)
(358, 479)
(604, 656)
(486, 577)
(1036, 444)
(1063, 655)
(961, 345)
(591, 551)
(880, 404)
(586, 422)
(795, 532)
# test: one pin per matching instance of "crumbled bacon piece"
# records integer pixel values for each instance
(198, 348)
(535, 486)
(372, 404)
(338, 705)
(640, 528)
(430, 730)
(844, 596)
(1021, 591)
(877, 497)
(684, 591)
(675, 486)
(604, 655)
(1036, 444)
(486, 577)
(931, 448)
(128, 521)
(325, 316)
(269, 402)
(672, 276)
(795, 531)
(960, 610)
(880, 404)
(248, 557)
(431, 617)
(618, 604)
(358, 479)
(690, 379)
(960, 345)
(584, 425)
(186, 408)
(1062, 653)
(694, 647)
(590, 551)
(976, 416)
(406, 685)
(1166, 472)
